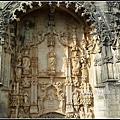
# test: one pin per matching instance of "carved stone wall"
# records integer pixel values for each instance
(59, 60)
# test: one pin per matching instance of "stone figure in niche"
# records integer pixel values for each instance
(51, 63)
(42, 90)
(62, 102)
(41, 96)
(51, 96)
(51, 31)
(96, 43)
(40, 105)
(26, 98)
(83, 45)
(74, 47)
(84, 69)
(76, 100)
(18, 68)
(75, 65)
(27, 32)
(82, 113)
(51, 100)
(26, 62)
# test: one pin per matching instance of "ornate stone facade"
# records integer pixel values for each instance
(59, 59)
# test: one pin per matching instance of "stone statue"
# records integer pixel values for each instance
(82, 113)
(51, 96)
(18, 68)
(84, 69)
(75, 65)
(83, 45)
(26, 63)
(76, 100)
(27, 32)
(62, 102)
(51, 32)
(74, 47)
(26, 98)
(51, 100)
(51, 63)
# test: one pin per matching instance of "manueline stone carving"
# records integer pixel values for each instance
(51, 101)
(71, 91)
(74, 47)
(82, 113)
(26, 98)
(27, 32)
(18, 68)
(51, 33)
(76, 65)
(76, 100)
(26, 62)
(51, 63)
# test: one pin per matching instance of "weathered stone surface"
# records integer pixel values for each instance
(59, 59)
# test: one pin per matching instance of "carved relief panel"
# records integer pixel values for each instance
(51, 72)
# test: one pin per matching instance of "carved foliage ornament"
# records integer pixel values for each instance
(89, 9)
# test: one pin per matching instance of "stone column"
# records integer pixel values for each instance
(6, 73)
(69, 107)
(34, 107)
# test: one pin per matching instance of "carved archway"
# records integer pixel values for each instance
(52, 115)
(29, 76)
(9, 13)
